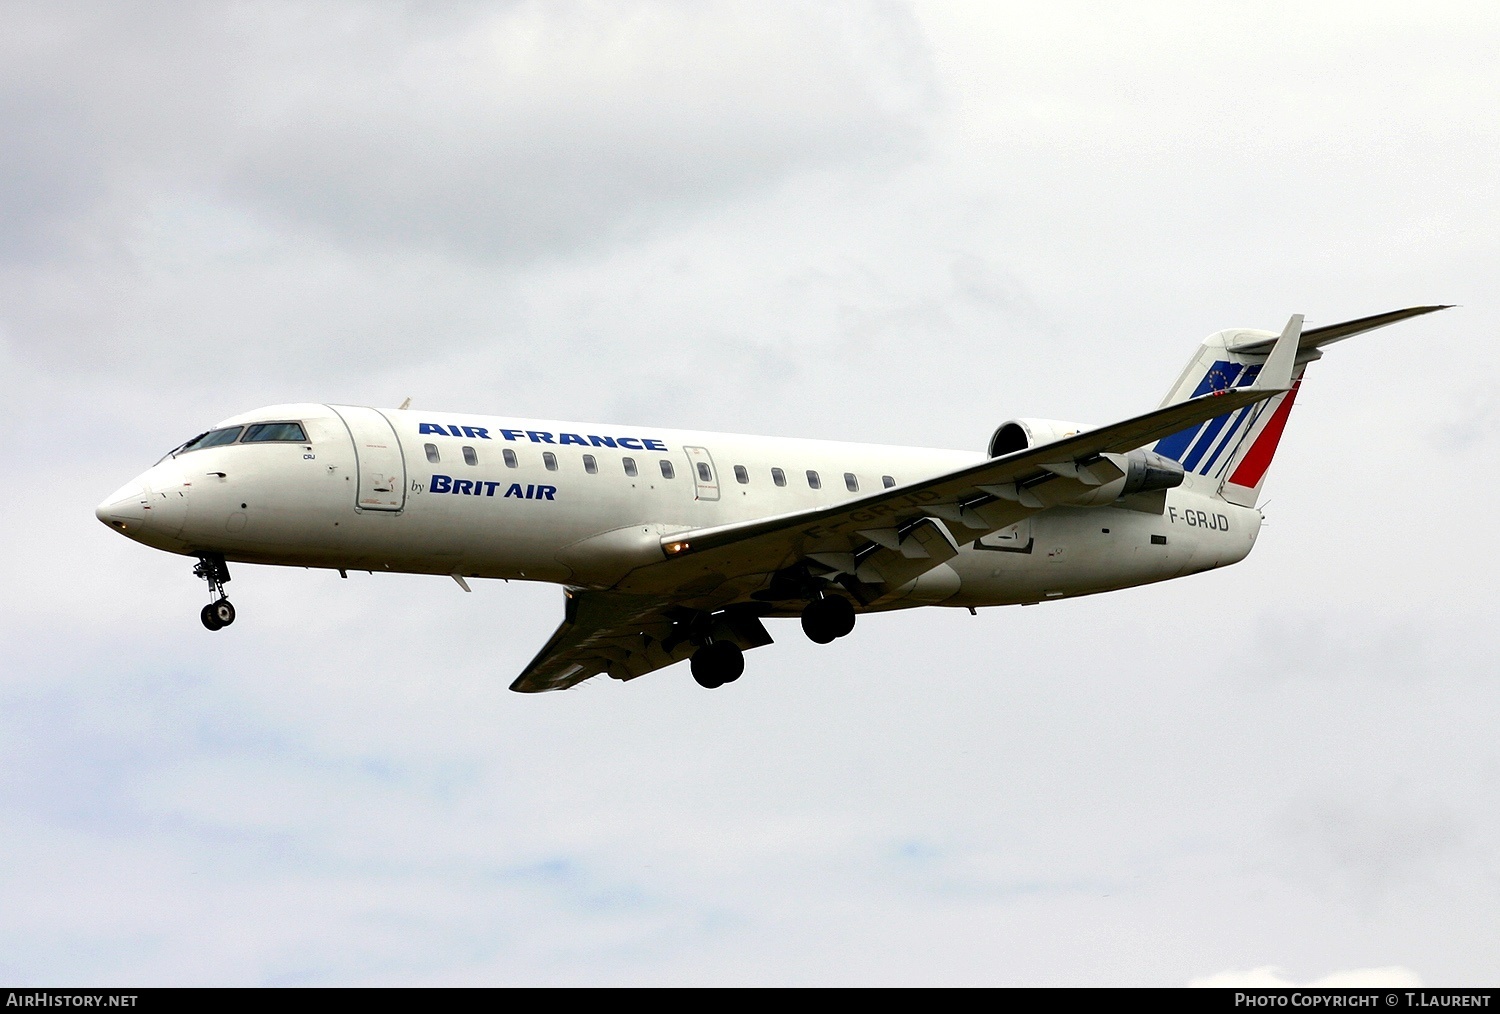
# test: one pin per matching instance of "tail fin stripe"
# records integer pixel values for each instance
(1210, 431)
(1220, 377)
(1229, 438)
(1233, 378)
(1253, 468)
(1173, 446)
(1232, 437)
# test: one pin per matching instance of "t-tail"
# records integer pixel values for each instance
(1236, 448)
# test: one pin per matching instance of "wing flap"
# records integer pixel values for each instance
(624, 636)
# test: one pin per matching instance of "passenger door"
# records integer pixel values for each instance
(705, 478)
(381, 482)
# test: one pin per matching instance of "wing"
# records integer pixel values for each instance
(877, 543)
(697, 583)
(626, 636)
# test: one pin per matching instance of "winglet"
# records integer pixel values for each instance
(1276, 375)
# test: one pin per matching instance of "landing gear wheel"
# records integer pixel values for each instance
(731, 660)
(212, 568)
(840, 615)
(826, 619)
(703, 668)
(717, 663)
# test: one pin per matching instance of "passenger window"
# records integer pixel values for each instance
(550, 460)
(432, 453)
(778, 477)
(629, 464)
(740, 474)
(704, 473)
(667, 471)
(591, 464)
(213, 438)
(470, 458)
(510, 457)
(851, 482)
(262, 432)
(813, 482)
(887, 481)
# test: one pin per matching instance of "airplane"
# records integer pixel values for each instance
(678, 545)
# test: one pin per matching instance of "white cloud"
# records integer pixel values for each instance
(1271, 977)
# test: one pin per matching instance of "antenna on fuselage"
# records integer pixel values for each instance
(404, 405)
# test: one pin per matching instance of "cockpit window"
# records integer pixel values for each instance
(261, 432)
(213, 438)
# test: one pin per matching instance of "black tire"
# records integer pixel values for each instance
(224, 612)
(731, 660)
(704, 670)
(840, 615)
(718, 663)
(816, 624)
(210, 617)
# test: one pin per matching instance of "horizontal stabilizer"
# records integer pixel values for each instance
(1317, 337)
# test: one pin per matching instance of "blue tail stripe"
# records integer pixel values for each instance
(1219, 377)
(1239, 420)
(1210, 431)
(1215, 425)
(1246, 379)
(1173, 446)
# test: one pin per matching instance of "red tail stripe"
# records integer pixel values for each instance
(1253, 468)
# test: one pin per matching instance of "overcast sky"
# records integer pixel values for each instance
(878, 222)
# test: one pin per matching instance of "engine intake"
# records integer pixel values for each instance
(1019, 434)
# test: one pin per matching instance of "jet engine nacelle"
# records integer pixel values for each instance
(1019, 434)
(1118, 475)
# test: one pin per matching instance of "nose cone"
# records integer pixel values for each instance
(124, 510)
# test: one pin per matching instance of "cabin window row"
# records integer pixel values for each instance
(705, 474)
(549, 461)
(814, 480)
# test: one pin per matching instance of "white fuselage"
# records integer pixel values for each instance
(477, 496)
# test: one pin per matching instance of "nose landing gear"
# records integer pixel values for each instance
(212, 568)
(218, 614)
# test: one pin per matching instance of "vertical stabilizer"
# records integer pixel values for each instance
(1236, 448)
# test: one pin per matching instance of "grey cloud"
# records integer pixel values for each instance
(1373, 846)
(508, 131)
(546, 128)
(212, 186)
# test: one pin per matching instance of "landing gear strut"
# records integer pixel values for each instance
(827, 618)
(717, 663)
(212, 568)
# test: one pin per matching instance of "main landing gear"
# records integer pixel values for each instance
(212, 568)
(717, 663)
(827, 618)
